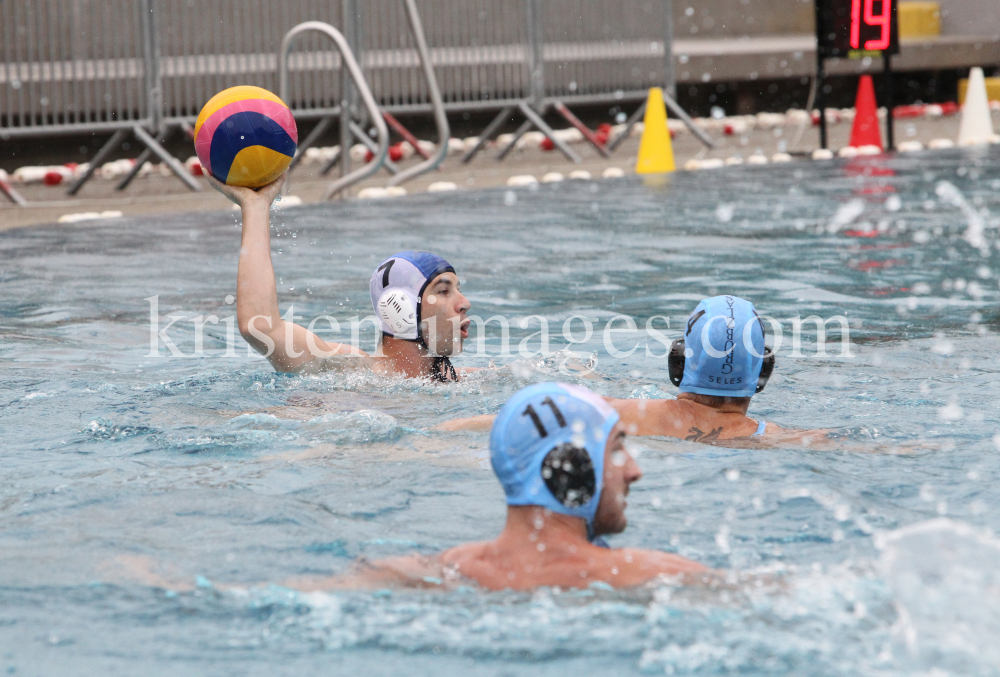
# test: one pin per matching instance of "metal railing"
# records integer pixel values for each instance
(96, 65)
(348, 60)
(83, 66)
(434, 92)
(73, 66)
(595, 51)
(378, 117)
(225, 43)
(479, 49)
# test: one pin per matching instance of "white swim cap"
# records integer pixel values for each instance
(398, 285)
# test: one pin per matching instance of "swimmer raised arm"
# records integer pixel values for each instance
(416, 296)
(286, 345)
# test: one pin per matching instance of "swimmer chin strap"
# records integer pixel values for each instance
(547, 449)
(397, 287)
(722, 352)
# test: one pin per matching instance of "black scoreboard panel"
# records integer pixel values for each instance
(857, 28)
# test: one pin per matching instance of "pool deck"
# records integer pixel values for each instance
(156, 194)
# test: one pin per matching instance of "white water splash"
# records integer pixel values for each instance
(950, 194)
(846, 215)
(945, 579)
(724, 212)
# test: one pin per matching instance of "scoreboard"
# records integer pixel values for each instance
(854, 29)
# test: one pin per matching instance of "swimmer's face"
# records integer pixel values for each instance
(620, 471)
(443, 321)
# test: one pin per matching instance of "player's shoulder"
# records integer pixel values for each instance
(671, 413)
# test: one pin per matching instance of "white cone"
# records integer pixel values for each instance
(977, 126)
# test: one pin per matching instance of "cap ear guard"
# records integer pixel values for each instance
(675, 365)
(766, 369)
(675, 362)
(398, 312)
(569, 474)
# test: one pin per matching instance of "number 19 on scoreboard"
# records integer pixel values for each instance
(882, 19)
(857, 28)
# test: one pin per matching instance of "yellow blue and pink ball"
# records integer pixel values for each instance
(245, 136)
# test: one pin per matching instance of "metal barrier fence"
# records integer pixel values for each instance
(479, 49)
(598, 51)
(347, 57)
(209, 45)
(484, 51)
(74, 65)
(100, 65)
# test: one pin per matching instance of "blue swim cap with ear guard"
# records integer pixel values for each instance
(724, 348)
(547, 448)
(397, 287)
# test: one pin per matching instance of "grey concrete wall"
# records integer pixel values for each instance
(970, 17)
(722, 18)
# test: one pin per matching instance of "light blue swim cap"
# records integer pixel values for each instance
(537, 445)
(724, 348)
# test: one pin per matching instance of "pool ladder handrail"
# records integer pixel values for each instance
(434, 90)
(347, 58)
(440, 118)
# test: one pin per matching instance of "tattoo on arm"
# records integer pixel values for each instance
(696, 435)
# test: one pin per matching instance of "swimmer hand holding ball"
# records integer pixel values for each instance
(245, 136)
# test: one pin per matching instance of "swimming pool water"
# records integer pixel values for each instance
(217, 467)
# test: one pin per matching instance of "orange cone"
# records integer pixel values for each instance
(866, 130)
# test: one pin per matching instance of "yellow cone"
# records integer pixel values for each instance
(656, 153)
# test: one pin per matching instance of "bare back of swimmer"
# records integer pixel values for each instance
(417, 339)
(719, 365)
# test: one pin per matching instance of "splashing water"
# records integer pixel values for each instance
(216, 467)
